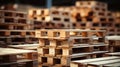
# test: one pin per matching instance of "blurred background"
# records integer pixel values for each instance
(112, 4)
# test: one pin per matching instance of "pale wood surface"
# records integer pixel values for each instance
(95, 59)
(11, 51)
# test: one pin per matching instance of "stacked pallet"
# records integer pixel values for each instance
(61, 16)
(97, 62)
(40, 18)
(60, 46)
(114, 45)
(14, 28)
(101, 17)
(117, 23)
(18, 58)
(85, 15)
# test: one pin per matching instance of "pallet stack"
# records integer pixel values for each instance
(18, 58)
(62, 16)
(57, 47)
(117, 23)
(40, 18)
(39, 14)
(98, 16)
(14, 28)
(114, 43)
(85, 15)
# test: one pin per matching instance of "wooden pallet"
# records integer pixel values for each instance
(63, 34)
(14, 26)
(57, 61)
(113, 42)
(13, 20)
(39, 14)
(91, 4)
(17, 32)
(54, 60)
(62, 52)
(17, 40)
(72, 44)
(14, 57)
(10, 13)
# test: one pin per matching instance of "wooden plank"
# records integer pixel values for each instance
(83, 63)
(113, 65)
(95, 59)
(113, 54)
(101, 63)
(25, 46)
(10, 51)
(18, 61)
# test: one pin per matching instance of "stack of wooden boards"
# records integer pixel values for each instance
(57, 47)
(97, 62)
(10, 57)
(15, 28)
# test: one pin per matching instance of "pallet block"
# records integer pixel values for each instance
(33, 56)
(43, 51)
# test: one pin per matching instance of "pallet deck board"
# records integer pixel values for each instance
(10, 51)
(113, 65)
(18, 61)
(95, 62)
(104, 62)
(113, 54)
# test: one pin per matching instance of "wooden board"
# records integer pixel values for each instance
(10, 51)
(85, 62)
